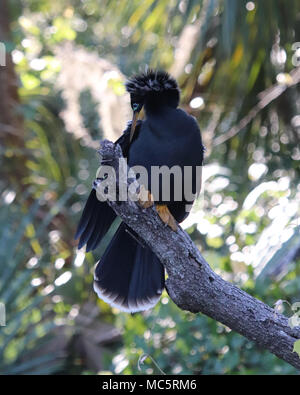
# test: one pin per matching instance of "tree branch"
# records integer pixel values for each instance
(192, 284)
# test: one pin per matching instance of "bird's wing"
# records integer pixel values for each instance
(98, 216)
(94, 223)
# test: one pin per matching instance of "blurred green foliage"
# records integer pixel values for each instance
(245, 223)
(176, 342)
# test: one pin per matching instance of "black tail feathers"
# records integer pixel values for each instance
(129, 276)
(95, 221)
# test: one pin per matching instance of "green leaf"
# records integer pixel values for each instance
(297, 347)
(29, 81)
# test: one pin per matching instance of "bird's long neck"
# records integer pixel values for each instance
(162, 121)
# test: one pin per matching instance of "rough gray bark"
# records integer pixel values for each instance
(192, 284)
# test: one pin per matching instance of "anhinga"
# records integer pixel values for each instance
(129, 275)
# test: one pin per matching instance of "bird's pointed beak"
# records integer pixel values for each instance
(133, 124)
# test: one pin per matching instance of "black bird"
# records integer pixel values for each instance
(129, 275)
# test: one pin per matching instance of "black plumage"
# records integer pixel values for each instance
(129, 275)
(95, 221)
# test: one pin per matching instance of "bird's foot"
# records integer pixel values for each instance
(166, 216)
(146, 199)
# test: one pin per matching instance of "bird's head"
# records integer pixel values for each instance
(152, 89)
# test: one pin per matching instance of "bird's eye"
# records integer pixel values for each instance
(135, 106)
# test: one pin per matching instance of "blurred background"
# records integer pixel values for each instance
(61, 89)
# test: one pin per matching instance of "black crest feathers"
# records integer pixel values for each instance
(154, 83)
